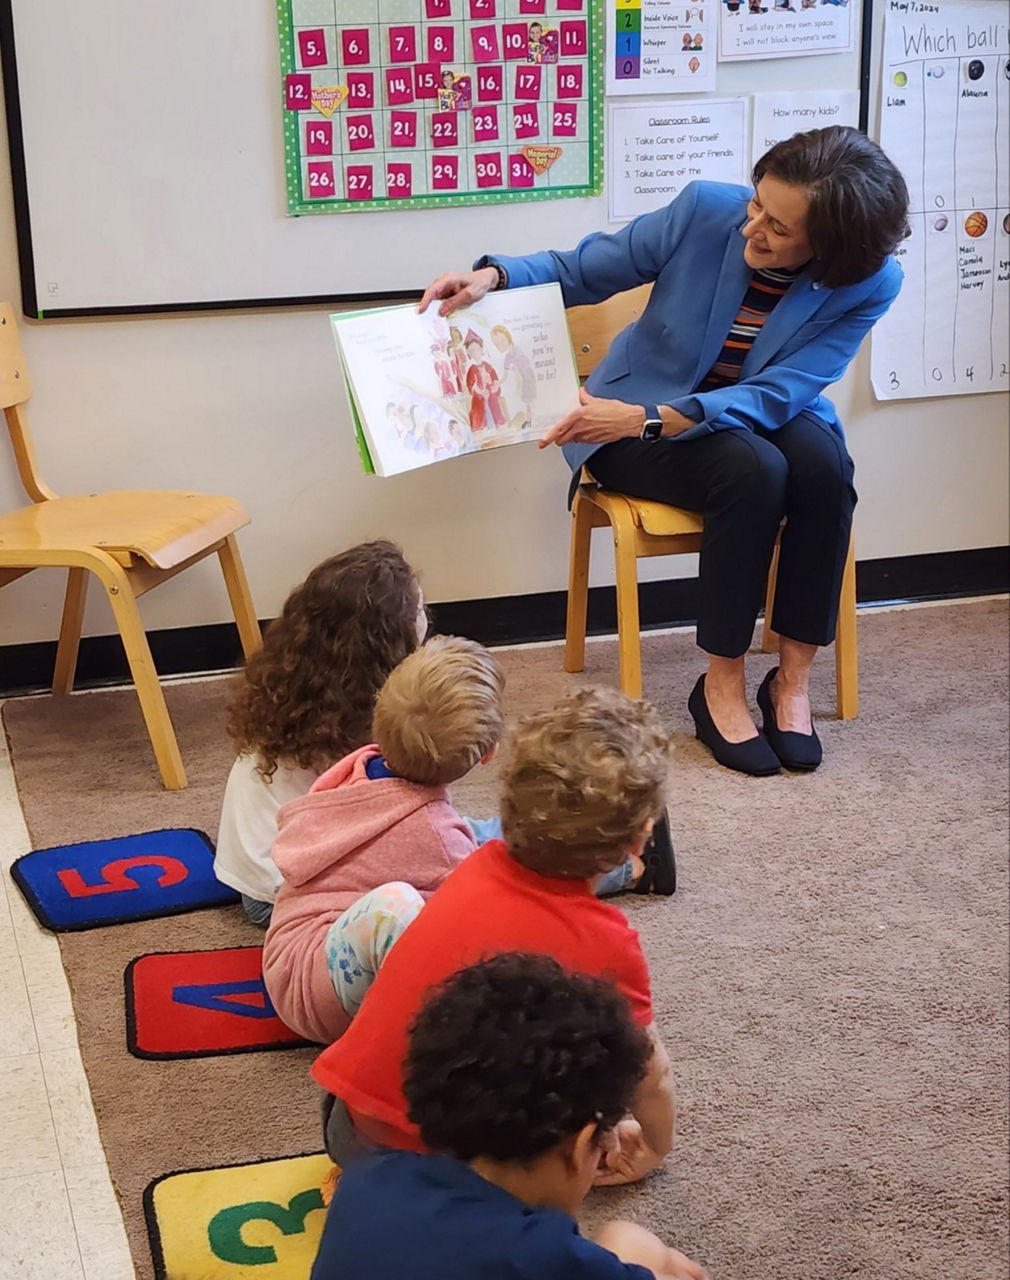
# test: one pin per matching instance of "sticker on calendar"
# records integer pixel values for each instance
(541, 158)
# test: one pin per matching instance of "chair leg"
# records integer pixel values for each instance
(238, 593)
(770, 638)
(578, 585)
(145, 679)
(846, 648)
(629, 641)
(70, 631)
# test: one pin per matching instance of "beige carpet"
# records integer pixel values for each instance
(831, 977)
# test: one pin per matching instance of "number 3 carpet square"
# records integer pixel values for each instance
(248, 1222)
(100, 882)
(196, 1004)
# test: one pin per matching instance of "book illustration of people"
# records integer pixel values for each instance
(426, 388)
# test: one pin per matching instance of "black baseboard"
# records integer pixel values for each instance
(27, 668)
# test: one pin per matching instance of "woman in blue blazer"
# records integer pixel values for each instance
(712, 400)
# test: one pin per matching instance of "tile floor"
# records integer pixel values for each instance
(61, 1217)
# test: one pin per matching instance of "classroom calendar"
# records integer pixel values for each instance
(399, 104)
(945, 121)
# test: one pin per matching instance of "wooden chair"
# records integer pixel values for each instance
(641, 528)
(130, 540)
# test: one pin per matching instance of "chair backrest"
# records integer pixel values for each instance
(15, 389)
(593, 328)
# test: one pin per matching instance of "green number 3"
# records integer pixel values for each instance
(224, 1232)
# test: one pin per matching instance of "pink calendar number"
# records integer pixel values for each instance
(321, 183)
(399, 181)
(574, 40)
(360, 133)
(515, 40)
(533, 6)
(490, 84)
(298, 93)
(318, 137)
(569, 82)
(445, 173)
(399, 88)
(526, 122)
(427, 78)
(441, 44)
(520, 172)
(312, 47)
(485, 124)
(528, 83)
(484, 41)
(564, 121)
(354, 46)
(359, 182)
(487, 165)
(571, 6)
(361, 90)
(403, 128)
(402, 44)
(445, 129)
(438, 8)
(482, 8)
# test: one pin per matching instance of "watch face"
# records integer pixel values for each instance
(653, 429)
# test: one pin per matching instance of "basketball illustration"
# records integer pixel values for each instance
(976, 223)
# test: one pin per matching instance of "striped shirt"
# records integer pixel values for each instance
(763, 292)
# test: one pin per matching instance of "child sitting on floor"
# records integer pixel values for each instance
(377, 834)
(582, 789)
(518, 1073)
(306, 699)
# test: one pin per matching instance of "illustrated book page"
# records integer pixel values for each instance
(425, 387)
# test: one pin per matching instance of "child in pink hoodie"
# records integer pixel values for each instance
(377, 834)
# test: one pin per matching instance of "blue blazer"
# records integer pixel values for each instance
(693, 252)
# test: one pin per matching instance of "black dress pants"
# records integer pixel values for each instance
(743, 483)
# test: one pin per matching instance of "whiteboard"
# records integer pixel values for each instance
(148, 163)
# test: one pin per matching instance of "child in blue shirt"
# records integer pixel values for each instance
(520, 1073)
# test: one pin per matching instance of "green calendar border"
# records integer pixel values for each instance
(299, 207)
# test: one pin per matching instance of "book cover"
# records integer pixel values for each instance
(423, 388)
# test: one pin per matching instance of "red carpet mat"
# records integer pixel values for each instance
(196, 1004)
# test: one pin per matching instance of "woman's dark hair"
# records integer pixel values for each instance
(307, 696)
(512, 1055)
(858, 199)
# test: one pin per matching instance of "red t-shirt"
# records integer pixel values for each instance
(489, 904)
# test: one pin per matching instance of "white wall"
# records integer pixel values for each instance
(251, 404)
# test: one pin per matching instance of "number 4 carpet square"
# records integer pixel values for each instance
(101, 882)
(197, 1004)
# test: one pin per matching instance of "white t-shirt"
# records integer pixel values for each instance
(248, 826)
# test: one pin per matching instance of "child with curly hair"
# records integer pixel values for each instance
(306, 699)
(517, 1075)
(583, 787)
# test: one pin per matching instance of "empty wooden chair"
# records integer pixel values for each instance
(643, 528)
(131, 540)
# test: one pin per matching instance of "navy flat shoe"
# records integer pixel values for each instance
(660, 874)
(801, 752)
(754, 756)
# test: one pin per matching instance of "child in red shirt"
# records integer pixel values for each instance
(582, 789)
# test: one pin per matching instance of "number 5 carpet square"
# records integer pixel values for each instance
(197, 1004)
(100, 882)
(258, 1221)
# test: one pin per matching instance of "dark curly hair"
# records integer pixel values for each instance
(308, 695)
(858, 211)
(510, 1056)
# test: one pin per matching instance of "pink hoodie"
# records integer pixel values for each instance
(350, 834)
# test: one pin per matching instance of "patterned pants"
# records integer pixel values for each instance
(359, 941)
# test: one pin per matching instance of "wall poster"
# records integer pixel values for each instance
(400, 104)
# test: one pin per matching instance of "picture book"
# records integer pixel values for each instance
(423, 388)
